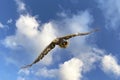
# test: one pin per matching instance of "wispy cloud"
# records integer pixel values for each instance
(110, 65)
(9, 21)
(90, 57)
(21, 78)
(47, 73)
(10, 60)
(111, 11)
(1, 25)
(24, 71)
(21, 5)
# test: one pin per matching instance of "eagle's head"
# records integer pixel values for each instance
(63, 44)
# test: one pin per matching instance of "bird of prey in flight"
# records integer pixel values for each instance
(62, 42)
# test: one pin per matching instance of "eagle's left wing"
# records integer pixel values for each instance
(77, 34)
(45, 52)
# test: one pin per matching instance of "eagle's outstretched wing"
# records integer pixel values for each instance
(78, 34)
(45, 52)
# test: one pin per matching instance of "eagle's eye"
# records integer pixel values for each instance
(63, 44)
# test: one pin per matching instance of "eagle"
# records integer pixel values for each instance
(62, 42)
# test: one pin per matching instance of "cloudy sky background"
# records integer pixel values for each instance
(27, 27)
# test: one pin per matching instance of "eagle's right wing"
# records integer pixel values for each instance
(45, 52)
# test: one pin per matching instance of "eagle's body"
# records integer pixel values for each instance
(62, 42)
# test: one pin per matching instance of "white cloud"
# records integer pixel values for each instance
(21, 5)
(10, 42)
(27, 25)
(48, 73)
(71, 70)
(24, 71)
(21, 78)
(110, 65)
(27, 32)
(1, 25)
(9, 21)
(64, 71)
(90, 57)
(111, 12)
(79, 22)
(10, 60)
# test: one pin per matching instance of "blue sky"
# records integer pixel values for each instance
(27, 27)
